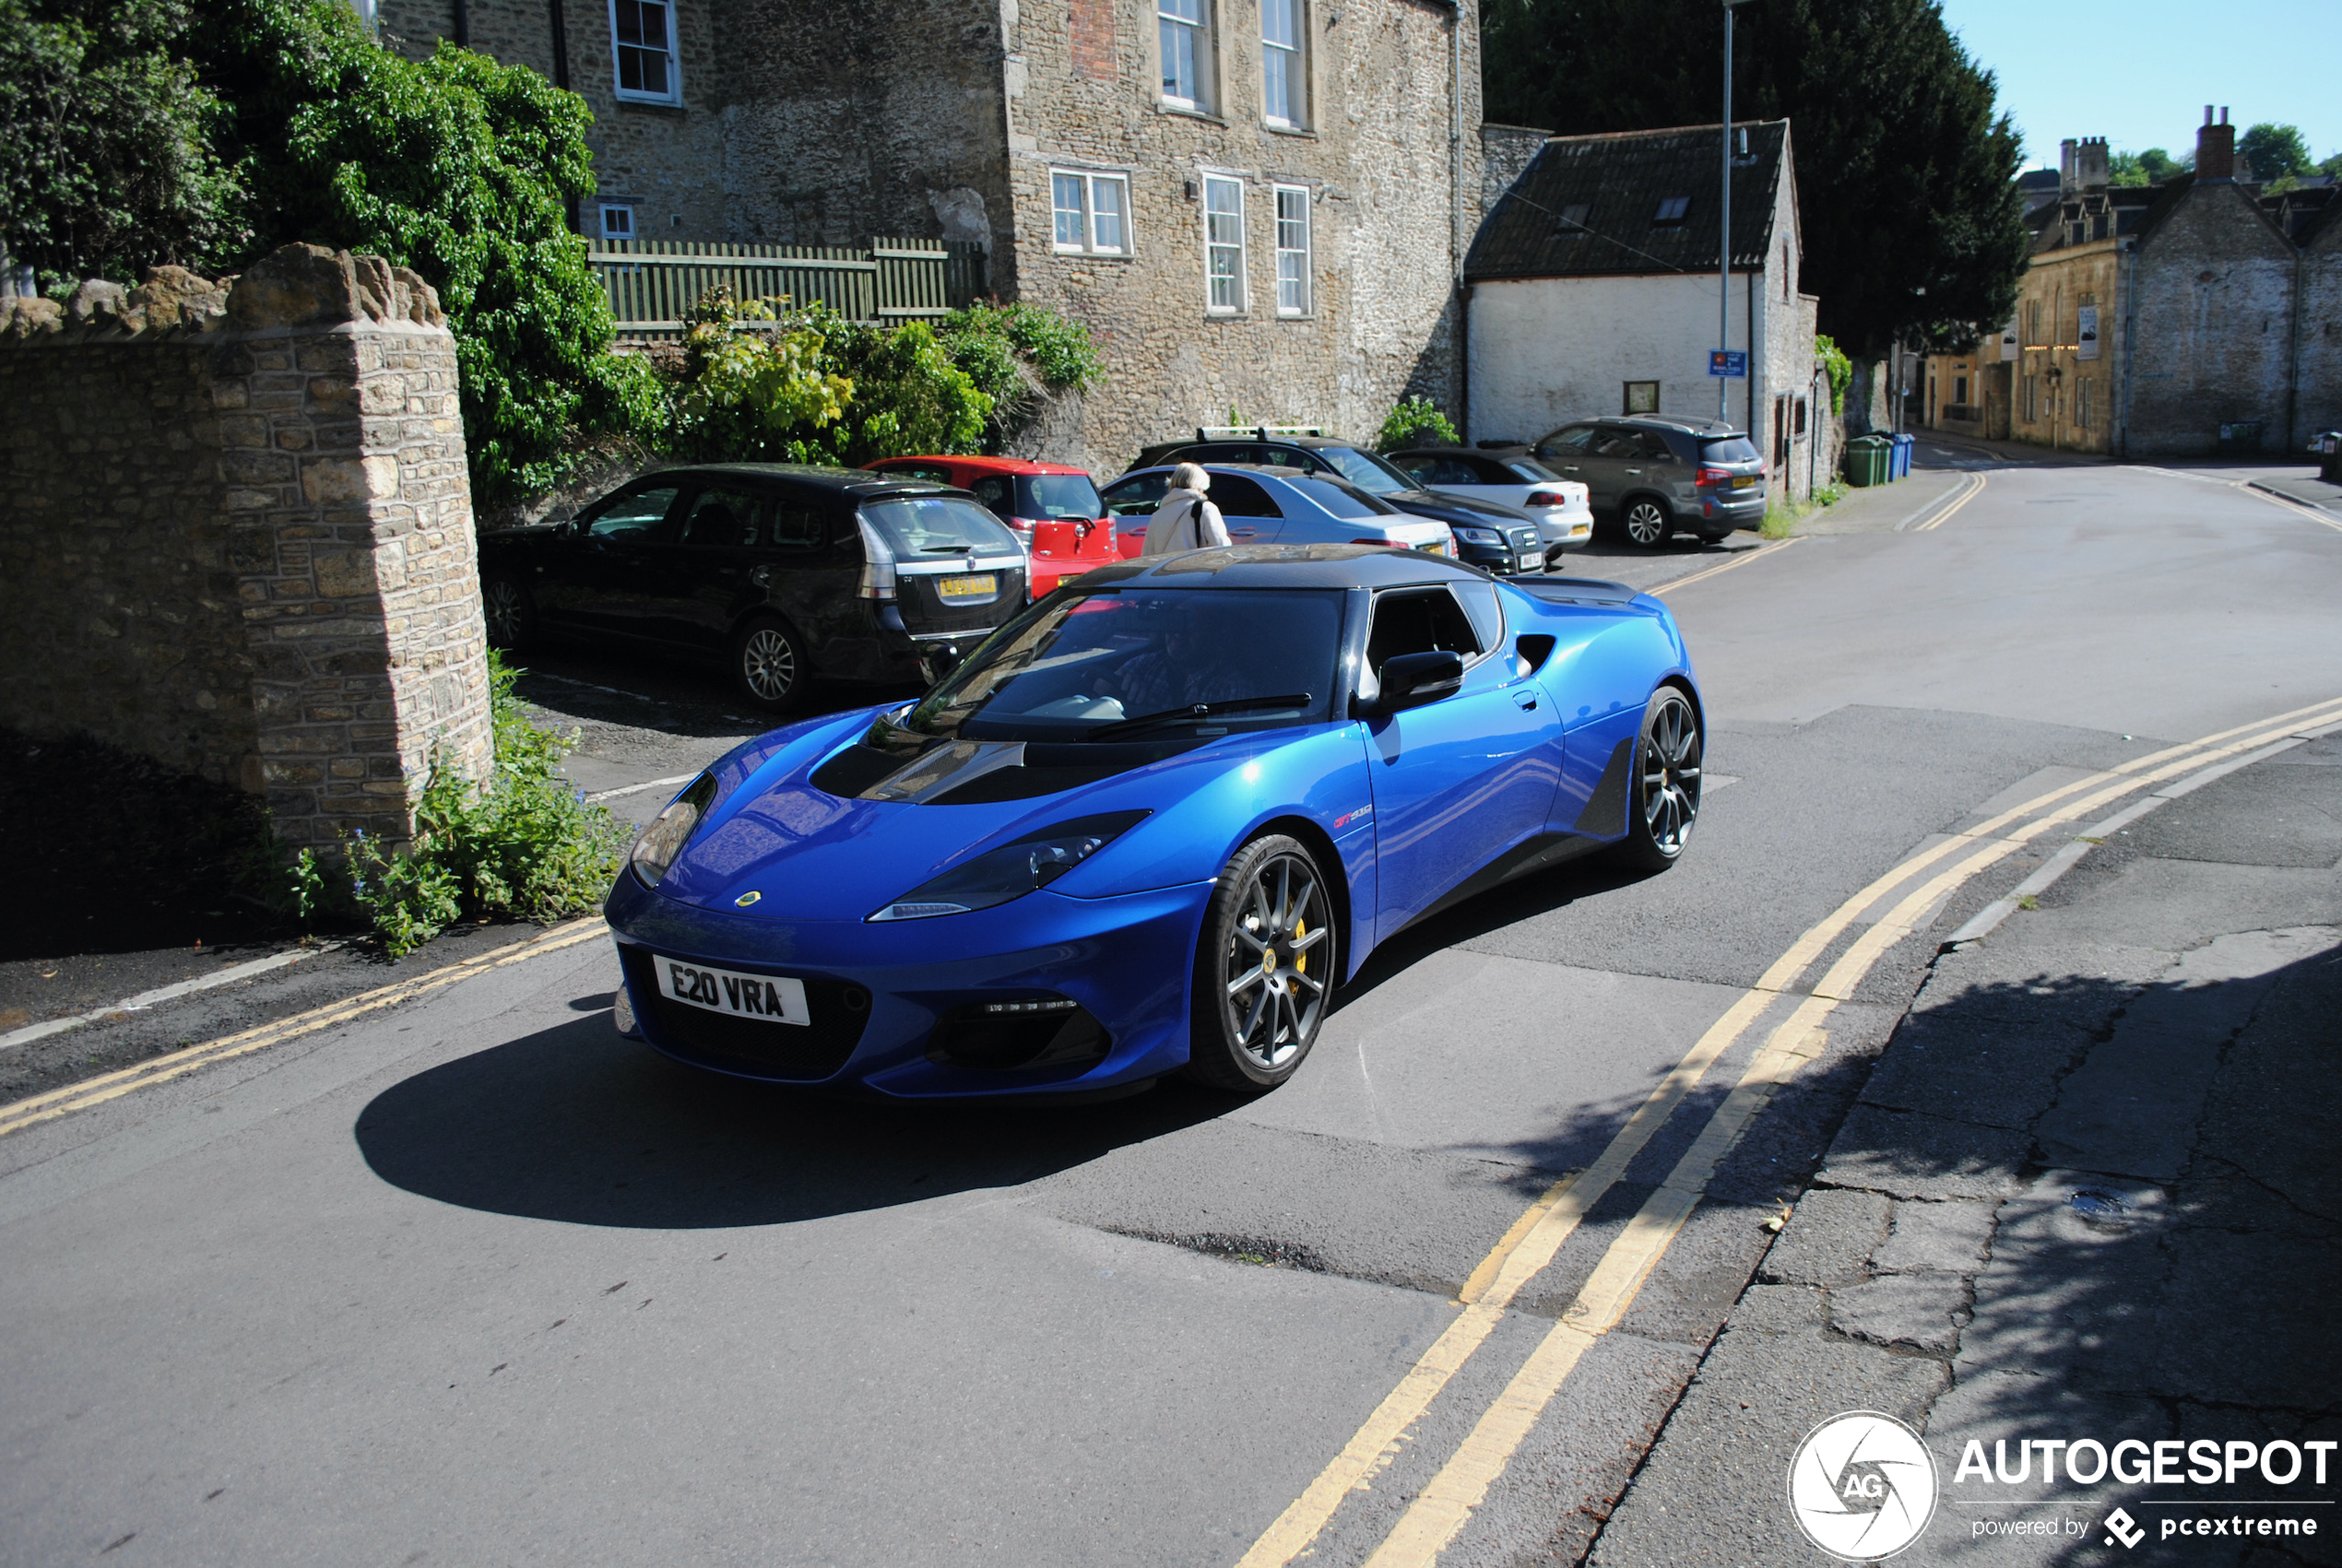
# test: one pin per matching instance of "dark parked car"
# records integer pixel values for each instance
(784, 571)
(1658, 475)
(1488, 536)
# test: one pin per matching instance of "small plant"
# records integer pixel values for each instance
(1417, 420)
(1841, 370)
(526, 844)
(2028, 902)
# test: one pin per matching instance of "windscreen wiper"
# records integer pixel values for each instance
(1197, 711)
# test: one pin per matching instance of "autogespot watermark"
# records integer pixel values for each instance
(1863, 1486)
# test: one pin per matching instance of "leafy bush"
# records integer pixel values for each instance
(1416, 421)
(1840, 369)
(750, 394)
(526, 846)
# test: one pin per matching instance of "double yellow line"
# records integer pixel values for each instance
(1446, 1504)
(162, 1069)
(1975, 487)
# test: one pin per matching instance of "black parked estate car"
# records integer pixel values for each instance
(1658, 475)
(1489, 535)
(783, 572)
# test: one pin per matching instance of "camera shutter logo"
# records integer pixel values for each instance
(1862, 1486)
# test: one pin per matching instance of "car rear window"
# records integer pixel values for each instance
(1342, 501)
(937, 524)
(1049, 496)
(1730, 449)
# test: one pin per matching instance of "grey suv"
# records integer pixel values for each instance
(1658, 475)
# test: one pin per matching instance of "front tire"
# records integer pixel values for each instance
(1264, 969)
(768, 665)
(1667, 774)
(510, 613)
(1648, 522)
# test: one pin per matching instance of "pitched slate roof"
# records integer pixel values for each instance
(1621, 182)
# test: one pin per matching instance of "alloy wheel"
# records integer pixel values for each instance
(1647, 524)
(1670, 780)
(1273, 1003)
(768, 664)
(507, 617)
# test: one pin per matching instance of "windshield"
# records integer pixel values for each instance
(1532, 470)
(1046, 497)
(1341, 500)
(1732, 449)
(937, 524)
(1075, 668)
(1367, 471)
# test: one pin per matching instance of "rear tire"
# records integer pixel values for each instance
(510, 613)
(1264, 968)
(1665, 799)
(1648, 522)
(768, 665)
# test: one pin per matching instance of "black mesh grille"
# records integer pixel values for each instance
(840, 1010)
(970, 1037)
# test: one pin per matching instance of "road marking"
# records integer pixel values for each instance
(1446, 1504)
(146, 999)
(2300, 508)
(1741, 559)
(162, 1069)
(1533, 1240)
(637, 789)
(1975, 488)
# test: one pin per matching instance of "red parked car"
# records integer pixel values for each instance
(1053, 510)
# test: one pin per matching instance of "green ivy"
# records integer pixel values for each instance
(1416, 421)
(1840, 369)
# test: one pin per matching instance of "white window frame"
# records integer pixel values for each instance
(1172, 23)
(674, 93)
(1299, 298)
(1086, 187)
(634, 229)
(1293, 56)
(1214, 246)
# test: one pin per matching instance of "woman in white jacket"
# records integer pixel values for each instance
(1185, 521)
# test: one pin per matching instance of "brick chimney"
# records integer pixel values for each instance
(2215, 149)
(2065, 167)
(2090, 164)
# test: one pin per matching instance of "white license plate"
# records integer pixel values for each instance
(772, 997)
(981, 586)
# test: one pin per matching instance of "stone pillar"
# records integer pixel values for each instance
(240, 535)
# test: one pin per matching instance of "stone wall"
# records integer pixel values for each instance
(2213, 309)
(2317, 314)
(240, 534)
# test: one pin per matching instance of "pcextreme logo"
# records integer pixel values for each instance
(1862, 1486)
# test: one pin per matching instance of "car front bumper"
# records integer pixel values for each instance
(1126, 961)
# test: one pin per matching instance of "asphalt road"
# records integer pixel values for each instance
(463, 1278)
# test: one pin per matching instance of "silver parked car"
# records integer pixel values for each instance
(1563, 517)
(1264, 505)
(1659, 474)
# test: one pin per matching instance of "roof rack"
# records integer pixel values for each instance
(1255, 432)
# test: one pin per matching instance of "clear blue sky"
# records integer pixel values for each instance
(2139, 72)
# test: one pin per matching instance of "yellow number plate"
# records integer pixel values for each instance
(983, 585)
(1741, 481)
(1433, 548)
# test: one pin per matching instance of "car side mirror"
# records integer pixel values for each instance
(1410, 681)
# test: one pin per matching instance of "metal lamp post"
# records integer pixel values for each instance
(1724, 226)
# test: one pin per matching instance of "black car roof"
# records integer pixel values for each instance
(1283, 566)
(845, 481)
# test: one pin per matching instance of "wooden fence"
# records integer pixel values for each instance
(652, 283)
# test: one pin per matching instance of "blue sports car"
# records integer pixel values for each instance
(1153, 823)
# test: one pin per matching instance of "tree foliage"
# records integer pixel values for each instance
(2274, 152)
(1415, 420)
(2149, 167)
(106, 160)
(1911, 226)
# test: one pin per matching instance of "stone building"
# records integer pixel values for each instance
(1257, 206)
(2182, 319)
(1594, 282)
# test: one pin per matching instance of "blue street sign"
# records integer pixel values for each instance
(1728, 362)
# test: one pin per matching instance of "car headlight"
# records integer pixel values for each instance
(1012, 870)
(658, 844)
(1481, 535)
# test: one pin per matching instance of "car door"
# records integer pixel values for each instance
(1566, 452)
(1654, 465)
(1613, 462)
(1461, 780)
(703, 576)
(602, 583)
(1252, 517)
(806, 566)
